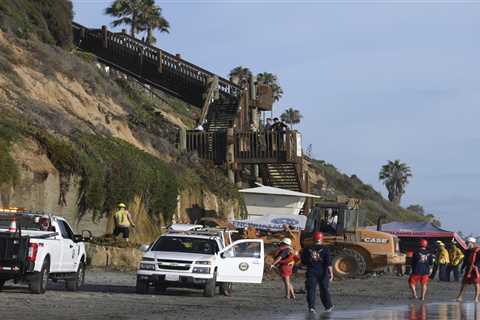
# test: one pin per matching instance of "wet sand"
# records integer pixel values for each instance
(111, 295)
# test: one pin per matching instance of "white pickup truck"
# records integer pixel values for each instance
(37, 247)
(200, 258)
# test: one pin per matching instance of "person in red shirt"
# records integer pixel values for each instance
(286, 259)
(471, 265)
(420, 265)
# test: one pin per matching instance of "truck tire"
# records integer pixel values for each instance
(142, 286)
(349, 263)
(226, 288)
(2, 283)
(38, 284)
(78, 281)
(211, 286)
(161, 288)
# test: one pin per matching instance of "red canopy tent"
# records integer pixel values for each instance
(410, 232)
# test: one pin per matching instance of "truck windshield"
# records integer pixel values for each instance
(186, 244)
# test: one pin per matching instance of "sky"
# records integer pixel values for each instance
(374, 80)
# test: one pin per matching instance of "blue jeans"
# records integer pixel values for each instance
(321, 279)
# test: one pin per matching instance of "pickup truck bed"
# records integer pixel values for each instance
(43, 247)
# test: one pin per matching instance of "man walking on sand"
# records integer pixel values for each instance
(420, 266)
(318, 261)
(471, 265)
(123, 221)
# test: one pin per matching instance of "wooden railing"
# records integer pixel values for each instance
(266, 147)
(249, 147)
(151, 65)
(208, 145)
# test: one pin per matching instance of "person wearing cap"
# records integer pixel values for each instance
(318, 260)
(471, 266)
(286, 258)
(420, 266)
(443, 262)
(123, 221)
(456, 260)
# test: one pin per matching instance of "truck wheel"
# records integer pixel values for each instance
(142, 286)
(2, 283)
(349, 263)
(160, 288)
(77, 282)
(226, 288)
(210, 287)
(38, 284)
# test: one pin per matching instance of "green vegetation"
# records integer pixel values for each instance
(140, 15)
(372, 201)
(243, 74)
(291, 116)
(395, 176)
(271, 80)
(47, 20)
(110, 169)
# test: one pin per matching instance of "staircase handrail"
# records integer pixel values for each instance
(168, 59)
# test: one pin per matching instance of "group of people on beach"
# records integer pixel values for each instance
(422, 263)
(423, 260)
(318, 261)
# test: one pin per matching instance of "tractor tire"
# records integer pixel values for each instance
(349, 263)
(38, 284)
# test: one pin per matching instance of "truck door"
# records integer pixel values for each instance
(68, 248)
(241, 262)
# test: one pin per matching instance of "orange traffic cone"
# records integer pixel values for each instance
(13, 225)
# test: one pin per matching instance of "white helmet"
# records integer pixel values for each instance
(472, 240)
(287, 241)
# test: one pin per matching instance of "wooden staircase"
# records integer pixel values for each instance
(221, 115)
(282, 175)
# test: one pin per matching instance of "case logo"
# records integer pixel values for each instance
(375, 240)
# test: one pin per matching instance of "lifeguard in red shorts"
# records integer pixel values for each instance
(420, 266)
(286, 259)
(471, 265)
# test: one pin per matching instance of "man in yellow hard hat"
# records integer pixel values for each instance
(443, 262)
(123, 221)
(456, 259)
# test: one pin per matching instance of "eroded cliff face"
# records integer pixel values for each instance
(64, 97)
(39, 188)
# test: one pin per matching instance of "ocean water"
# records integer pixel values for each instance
(417, 311)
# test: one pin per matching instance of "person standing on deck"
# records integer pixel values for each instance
(318, 261)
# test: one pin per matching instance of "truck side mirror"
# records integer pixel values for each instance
(144, 248)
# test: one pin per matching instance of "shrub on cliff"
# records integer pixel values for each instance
(48, 20)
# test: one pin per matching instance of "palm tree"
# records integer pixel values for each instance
(271, 80)
(291, 116)
(151, 19)
(128, 12)
(243, 74)
(395, 176)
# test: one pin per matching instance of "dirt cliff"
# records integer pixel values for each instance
(78, 138)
